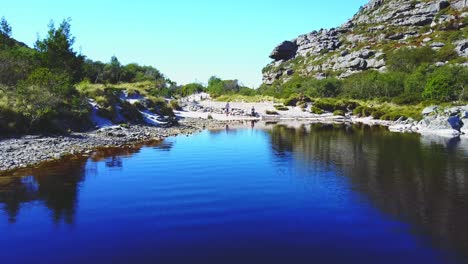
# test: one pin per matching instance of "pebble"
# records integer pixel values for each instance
(29, 151)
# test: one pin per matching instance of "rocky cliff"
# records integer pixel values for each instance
(364, 42)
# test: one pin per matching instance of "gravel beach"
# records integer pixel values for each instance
(28, 151)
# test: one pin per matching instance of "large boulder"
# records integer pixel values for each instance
(285, 51)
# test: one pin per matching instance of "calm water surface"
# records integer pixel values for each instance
(310, 194)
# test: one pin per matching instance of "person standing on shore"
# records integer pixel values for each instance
(227, 108)
(456, 122)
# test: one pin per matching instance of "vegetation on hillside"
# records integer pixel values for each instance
(412, 77)
(46, 88)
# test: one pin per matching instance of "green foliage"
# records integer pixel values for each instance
(160, 107)
(16, 63)
(331, 105)
(56, 51)
(297, 100)
(37, 86)
(191, 88)
(447, 84)
(316, 110)
(372, 84)
(447, 53)
(408, 59)
(363, 111)
(299, 85)
(217, 87)
(329, 87)
(377, 114)
(269, 112)
(131, 112)
(281, 108)
(5, 28)
(339, 113)
(244, 98)
(175, 105)
(112, 71)
(292, 100)
(245, 91)
(44, 102)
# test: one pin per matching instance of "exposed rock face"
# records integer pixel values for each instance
(287, 50)
(360, 43)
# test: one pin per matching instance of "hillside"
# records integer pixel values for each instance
(51, 88)
(367, 40)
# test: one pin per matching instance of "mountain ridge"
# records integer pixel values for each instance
(364, 41)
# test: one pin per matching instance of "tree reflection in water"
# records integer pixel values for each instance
(415, 179)
(56, 184)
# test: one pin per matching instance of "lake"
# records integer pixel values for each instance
(270, 194)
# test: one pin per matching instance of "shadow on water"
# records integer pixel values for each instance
(56, 184)
(417, 180)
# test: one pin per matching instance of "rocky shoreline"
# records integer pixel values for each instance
(29, 151)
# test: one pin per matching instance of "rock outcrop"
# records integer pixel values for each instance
(362, 43)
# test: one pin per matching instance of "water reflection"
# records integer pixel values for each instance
(414, 179)
(56, 184)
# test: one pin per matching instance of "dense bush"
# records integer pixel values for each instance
(281, 108)
(447, 84)
(408, 59)
(331, 105)
(175, 105)
(191, 88)
(372, 84)
(45, 101)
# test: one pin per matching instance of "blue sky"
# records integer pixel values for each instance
(188, 40)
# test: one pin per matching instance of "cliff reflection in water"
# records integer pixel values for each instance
(413, 179)
(56, 185)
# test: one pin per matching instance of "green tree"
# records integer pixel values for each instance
(191, 88)
(56, 51)
(215, 86)
(94, 71)
(112, 71)
(5, 28)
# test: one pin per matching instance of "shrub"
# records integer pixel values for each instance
(175, 105)
(408, 59)
(447, 53)
(292, 100)
(192, 88)
(377, 114)
(446, 84)
(131, 112)
(363, 111)
(407, 98)
(269, 112)
(328, 105)
(392, 117)
(329, 87)
(281, 108)
(372, 84)
(339, 113)
(316, 110)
